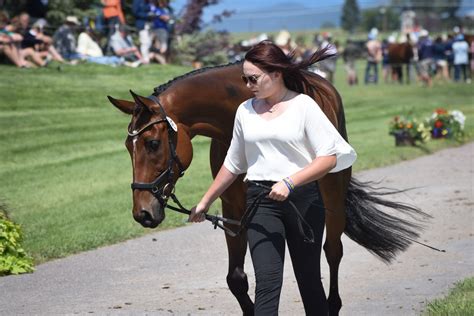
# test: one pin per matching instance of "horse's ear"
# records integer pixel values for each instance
(123, 105)
(142, 101)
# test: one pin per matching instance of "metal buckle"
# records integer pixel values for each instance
(165, 196)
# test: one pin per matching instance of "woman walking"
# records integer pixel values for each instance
(285, 143)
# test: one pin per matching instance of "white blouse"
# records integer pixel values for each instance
(274, 149)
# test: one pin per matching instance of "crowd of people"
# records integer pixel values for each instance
(24, 42)
(445, 58)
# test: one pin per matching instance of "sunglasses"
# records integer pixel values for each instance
(253, 79)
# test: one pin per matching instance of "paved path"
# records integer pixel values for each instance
(173, 273)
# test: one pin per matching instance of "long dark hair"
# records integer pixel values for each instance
(270, 58)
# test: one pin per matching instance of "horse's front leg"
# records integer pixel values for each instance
(236, 277)
(233, 206)
(333, 188)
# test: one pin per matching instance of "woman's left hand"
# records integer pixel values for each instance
(279, 192)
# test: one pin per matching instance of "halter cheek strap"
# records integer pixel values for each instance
(164, 181)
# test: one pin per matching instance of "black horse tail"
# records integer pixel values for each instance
(369, 223)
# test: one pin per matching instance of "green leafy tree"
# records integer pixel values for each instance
(385, 19)
(59, 9)
(350, 18)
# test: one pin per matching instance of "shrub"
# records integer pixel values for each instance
(13, 258)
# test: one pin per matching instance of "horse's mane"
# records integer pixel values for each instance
(164, 86)
(318, 88)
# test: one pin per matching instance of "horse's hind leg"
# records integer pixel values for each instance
(333, 189)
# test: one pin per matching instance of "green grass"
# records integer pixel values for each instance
(65, 173)
(459, 301)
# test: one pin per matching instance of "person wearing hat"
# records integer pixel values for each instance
(283, 40)
(65, 38)
(122, 45)
(374, 56)
(425, 58)
(461, 58)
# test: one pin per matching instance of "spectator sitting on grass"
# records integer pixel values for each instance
(89, 50)
(42, 43)
(10, 42)
(20, 25)
(123, 46)
(65, 39)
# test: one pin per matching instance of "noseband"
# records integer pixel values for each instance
(162, 187)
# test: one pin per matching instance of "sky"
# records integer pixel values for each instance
(252, 5)
(260, 15)
(271, 15)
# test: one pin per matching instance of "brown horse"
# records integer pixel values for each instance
(204, 102)
(400, 54)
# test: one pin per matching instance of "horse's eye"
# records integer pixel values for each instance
(152, 145)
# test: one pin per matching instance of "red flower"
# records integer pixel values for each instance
(438, 124)
(441, 111)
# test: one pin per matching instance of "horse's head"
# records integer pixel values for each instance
(160, 149)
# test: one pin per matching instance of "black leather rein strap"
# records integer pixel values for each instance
(214, 219)
(304, 228)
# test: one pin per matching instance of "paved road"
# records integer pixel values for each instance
(182, 271)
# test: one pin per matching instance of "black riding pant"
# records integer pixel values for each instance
(271, 224)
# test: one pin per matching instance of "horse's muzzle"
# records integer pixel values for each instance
(148, 212)
(148, 219)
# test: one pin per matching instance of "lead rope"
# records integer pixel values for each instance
(307, 234)
(214, 219)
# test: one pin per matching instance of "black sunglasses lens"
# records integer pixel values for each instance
(252, 79)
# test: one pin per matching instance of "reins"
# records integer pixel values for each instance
(214, 219)
(304, 228)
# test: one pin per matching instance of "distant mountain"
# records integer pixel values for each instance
(288, 16)
(296, 16)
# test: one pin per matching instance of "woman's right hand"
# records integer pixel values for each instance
(198, 213)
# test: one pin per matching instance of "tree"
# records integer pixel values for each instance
(384, 19)
(350, 18)
(191, 19)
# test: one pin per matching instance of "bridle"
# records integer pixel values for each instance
(162, 187)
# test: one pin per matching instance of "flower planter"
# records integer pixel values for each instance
(402, 138)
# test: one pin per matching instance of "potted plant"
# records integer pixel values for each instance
(447, 124)
(408, 131)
